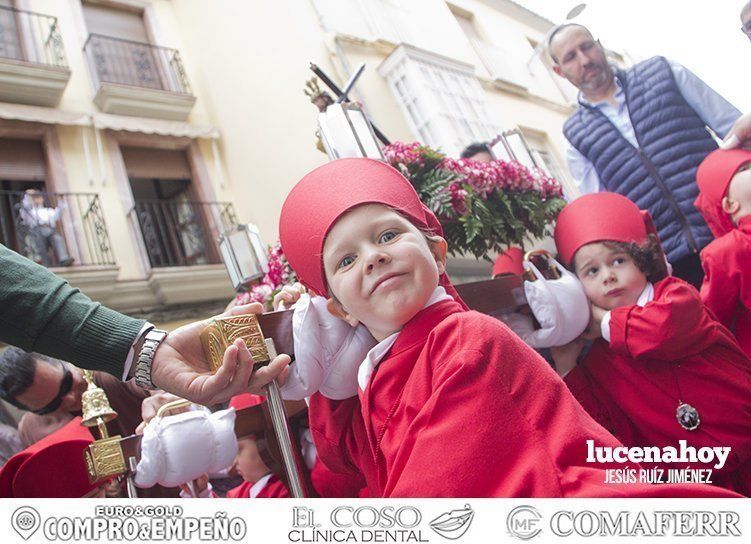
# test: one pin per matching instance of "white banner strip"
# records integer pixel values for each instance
(285, 521)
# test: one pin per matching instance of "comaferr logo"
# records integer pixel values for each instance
(640, 523)
(524, 522)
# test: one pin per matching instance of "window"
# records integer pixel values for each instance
(175, 226)
(22, 167)
(441, 98)
(500, 61)
(546, 158)
(120, 50)
(115, 23)
(369, 19)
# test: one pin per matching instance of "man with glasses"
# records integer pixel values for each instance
(51, 390)
(642, 132)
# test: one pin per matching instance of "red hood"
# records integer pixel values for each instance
(713, 178)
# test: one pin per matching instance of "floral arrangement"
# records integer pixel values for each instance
(280, 274)
(484, 207)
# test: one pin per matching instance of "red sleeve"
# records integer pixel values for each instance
(328, 484)
(720, 290)
(673, 326)
(334, 425)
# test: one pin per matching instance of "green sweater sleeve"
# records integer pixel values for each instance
(41, 312)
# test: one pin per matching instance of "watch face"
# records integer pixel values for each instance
(156, 335)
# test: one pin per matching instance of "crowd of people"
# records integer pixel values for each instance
(408, 391)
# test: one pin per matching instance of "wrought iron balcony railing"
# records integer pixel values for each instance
(55, 229)
(137, 64)
(183, 233)
(31, 37)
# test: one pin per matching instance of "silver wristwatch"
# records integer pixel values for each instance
(143, 366)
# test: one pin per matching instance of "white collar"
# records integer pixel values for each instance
(647, 295)
(378, 351)
(257, 487)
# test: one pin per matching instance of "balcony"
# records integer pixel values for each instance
(138, 79)
(56, 229)
(33, 69)
(177, 234)
(182, 233)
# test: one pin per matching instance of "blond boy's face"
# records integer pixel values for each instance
(380, 268)
(610, 276)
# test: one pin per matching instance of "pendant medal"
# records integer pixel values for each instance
(687, 416)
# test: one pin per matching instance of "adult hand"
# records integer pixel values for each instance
(740, 133)
(180, 366)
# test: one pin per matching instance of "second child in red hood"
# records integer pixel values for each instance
(724, 179)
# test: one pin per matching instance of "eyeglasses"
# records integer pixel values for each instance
(65, 386)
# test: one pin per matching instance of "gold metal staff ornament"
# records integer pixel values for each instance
(104, 457)
(223, 331)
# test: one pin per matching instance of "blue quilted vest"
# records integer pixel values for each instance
(659, 175)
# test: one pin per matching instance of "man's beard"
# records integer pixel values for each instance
(604, 75)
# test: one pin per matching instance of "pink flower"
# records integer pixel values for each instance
(279, 275)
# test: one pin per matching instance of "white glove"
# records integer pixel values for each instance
(560, 306)
(180, 448)
(328, 352)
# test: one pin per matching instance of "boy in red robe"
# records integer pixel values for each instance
(450, 403)
(724, 200)
(662, 369)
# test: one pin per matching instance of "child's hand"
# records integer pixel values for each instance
(565, 356)
(288, 296)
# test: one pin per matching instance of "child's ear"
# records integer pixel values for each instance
(729, 206)
(439, 248)
(336, 309)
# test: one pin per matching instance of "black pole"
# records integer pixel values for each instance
(335, 88)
